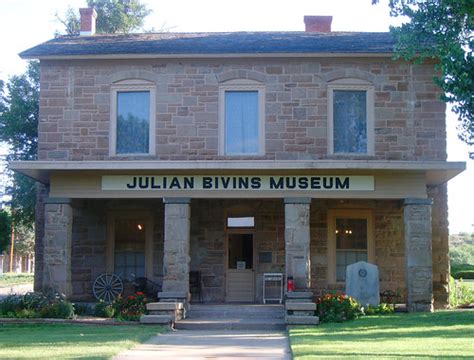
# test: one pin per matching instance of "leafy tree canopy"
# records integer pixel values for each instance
(5, 229)
(113, 16)
(19, 113)
(442, 30)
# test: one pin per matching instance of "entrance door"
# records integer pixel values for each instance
(240, 285)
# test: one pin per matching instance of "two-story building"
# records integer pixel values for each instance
(239, 154)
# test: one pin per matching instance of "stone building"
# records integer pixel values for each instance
(239, 154)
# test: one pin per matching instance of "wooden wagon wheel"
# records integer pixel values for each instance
(107, 287)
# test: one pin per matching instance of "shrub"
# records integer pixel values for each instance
(379, 310)
(465, 271)
(460, 293)
(337, 308)
(83, 309)
(38, 304)
(58, 310)
(102, 309)
(130, 308)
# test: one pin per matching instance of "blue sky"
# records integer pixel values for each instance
(25, 23)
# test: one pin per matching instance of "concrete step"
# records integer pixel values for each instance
(164, 306)
(234, 317)
(236, 324)
(300, 306)
(156, 319)
(299, 295)
(236, 311)
(302, 320)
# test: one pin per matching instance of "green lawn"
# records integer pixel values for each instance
(70, 341)
(11, 279)
(444, 334)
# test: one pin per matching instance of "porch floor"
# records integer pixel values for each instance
(234, 317)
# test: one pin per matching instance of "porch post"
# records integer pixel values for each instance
(57, 243)
(176, 257)
(297, 241)
(418, 254)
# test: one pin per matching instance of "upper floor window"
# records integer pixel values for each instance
(132, 119)
(350, 119)
(242, 118)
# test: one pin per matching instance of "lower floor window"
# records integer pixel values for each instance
(351, 244)
(350, 241)
(129, 262)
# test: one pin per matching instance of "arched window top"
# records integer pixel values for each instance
(133, 76)
(349, 74)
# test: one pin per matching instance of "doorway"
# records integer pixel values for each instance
(240, 283)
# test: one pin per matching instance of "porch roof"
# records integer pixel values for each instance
(436, 172)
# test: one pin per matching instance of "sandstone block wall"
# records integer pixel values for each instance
(75, 106)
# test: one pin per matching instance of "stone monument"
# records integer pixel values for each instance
(362, 283)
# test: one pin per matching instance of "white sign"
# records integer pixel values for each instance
(237, 182)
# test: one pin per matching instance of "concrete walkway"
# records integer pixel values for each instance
(207, 344)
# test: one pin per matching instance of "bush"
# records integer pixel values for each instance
(31, 305)
(83, 309)
(130, 308)
(379, 310)
(460, 293)
(465, 271)
(58, 310)
(102, 309)
(337, 308)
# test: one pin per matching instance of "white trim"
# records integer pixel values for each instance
(351, 84)
(242, 85)
(348, 214)
(132, 85)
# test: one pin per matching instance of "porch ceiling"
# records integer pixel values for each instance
(436, 172)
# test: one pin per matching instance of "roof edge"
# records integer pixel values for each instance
(208, 56)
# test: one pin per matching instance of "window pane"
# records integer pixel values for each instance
(351, 233)
(241, 222)
(350, 121)
(351, 244)
(241, 122)
(129, 248)
(133, 122)
(345, 258)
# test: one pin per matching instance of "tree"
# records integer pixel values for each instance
(442, 30)
(5, 230)
(113, 16)
(19, 112)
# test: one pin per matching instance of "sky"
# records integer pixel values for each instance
(25, 23)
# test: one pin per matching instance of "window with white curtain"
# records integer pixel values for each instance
(241, 118)
(241, 122)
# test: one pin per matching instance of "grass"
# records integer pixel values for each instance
(444, 334)
(70, 341)
(11, 279)
(469, 283)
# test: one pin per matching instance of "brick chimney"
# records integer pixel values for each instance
(88, 17)
(318, 23)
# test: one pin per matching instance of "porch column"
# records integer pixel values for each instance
(57, 245)
(418, 255)
(176, 249)
(297, 241)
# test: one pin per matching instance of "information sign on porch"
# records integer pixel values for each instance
(238, 182)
